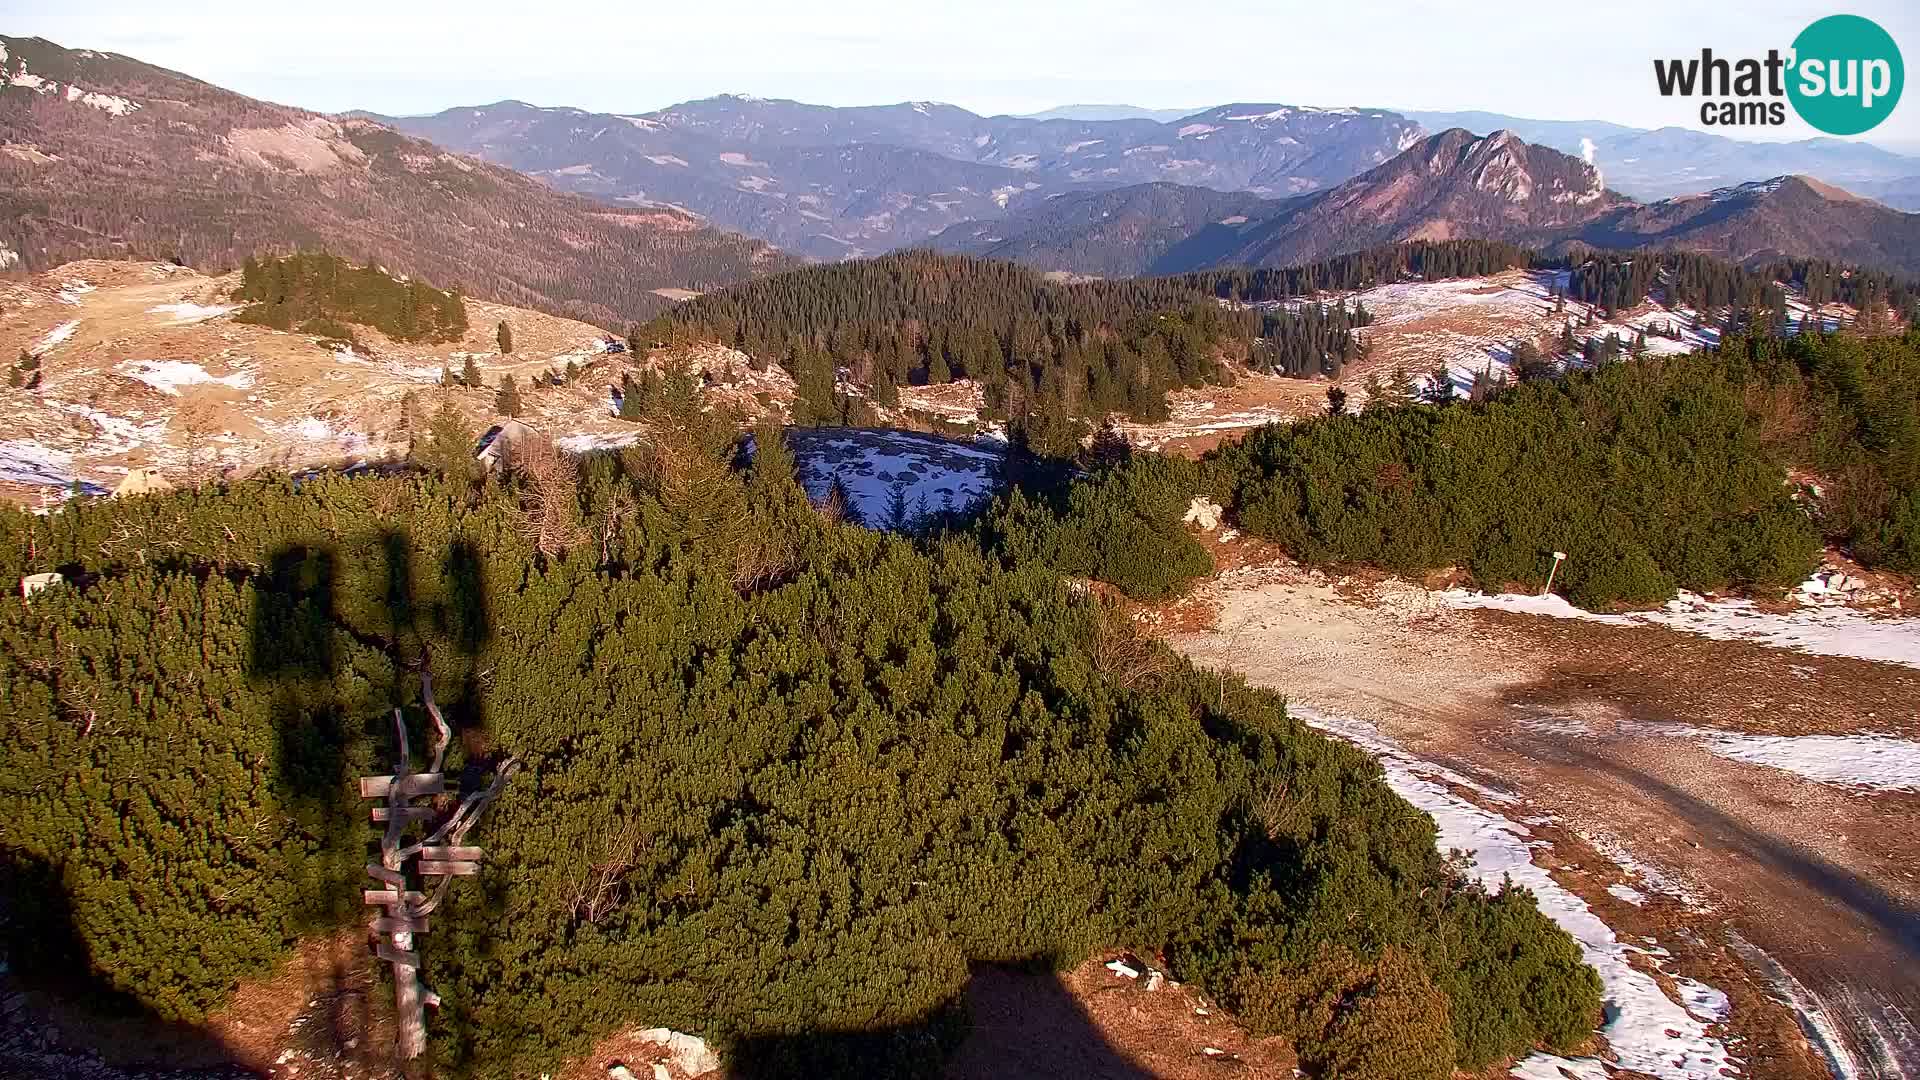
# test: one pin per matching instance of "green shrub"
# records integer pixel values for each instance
(1650, 475)
(1120, 524)
(1350, 1019)
(784, 780)
(312, 289)
(186, 803)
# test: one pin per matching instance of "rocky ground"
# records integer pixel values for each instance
(143, 364)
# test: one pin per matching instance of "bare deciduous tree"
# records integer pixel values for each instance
(602, 887)
(1124, 654)
(549, 496)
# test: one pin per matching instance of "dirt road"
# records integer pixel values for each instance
(1767, 885)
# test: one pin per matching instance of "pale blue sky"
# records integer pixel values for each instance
(1550, 60)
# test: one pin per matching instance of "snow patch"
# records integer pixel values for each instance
(1648, 1032)
(57, 335)
(168, 376)
(107, 103)
(1818, 630)
(1628, 893)
(934, 475)
(26, 461)
(191, 313)
(583, 444)
(1875, 761)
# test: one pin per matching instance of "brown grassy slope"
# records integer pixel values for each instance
(208, 176)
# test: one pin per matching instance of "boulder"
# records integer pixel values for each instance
(689, 1053)
(1204, 512)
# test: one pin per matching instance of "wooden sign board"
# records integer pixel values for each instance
(381, 787)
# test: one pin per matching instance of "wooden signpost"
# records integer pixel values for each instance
(440, 855)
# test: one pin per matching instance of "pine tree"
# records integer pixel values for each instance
(1336, 401)
(632, 398)
(507, 399)
(412, 422)
(503, 336)
(448, 447)
(470, 374)
(899, 511)
(1482, 386)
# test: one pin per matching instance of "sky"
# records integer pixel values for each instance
(1537, 60)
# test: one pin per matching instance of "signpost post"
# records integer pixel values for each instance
(402, 911)
(1558, 558)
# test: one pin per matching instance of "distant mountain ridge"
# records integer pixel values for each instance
(837, 182)
(106, 156)
(1451, 185)
(1672, 161)
(1109, 112)
(828, 183)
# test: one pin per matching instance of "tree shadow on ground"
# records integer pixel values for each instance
(1010, 1024)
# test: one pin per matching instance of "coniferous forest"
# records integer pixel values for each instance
(1427, 260)
(1046, 353)
(782, 780)
(1653, 474)
(320, 293)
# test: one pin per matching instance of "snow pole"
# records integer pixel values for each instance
(1558, 558)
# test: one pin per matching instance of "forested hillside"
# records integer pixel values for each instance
(828, 182)
(1652, 474)
(1708, 284)
(782, 779)
(111, 158)
(1047, 353)
(1427, 260)
(319, 293)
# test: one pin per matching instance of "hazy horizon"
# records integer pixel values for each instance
(987, 58)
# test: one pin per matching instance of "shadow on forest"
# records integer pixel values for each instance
(64, 1009)
(318, 611)
(335, 643)
(313, 606)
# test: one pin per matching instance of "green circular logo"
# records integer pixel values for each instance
(1846, 75)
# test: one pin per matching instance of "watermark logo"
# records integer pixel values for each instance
(1843, 76)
